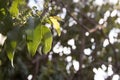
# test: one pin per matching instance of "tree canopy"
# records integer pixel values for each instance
(59, 39)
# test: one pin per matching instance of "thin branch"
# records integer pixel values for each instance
(97, 28)
(69, 13)
(36, 62)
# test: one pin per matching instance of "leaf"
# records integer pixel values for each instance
(14, 8)
(11, 47)
(34, 36)
(47, 39)
(13, 37)
(56, 25)
(2, 11)
(58, 18)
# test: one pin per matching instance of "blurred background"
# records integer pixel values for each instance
(88, 48)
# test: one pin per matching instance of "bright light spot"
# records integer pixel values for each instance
(114, 13)
(31, 3)
(64, 31)
(98, 52)
(117, 20)
(38, 4)
(99, 2)
(68, 58)
(110, 71)
(117, 50)
(105, 24)
(105, 43)
(91, 14)
(113, 1)
(76, 10)
(92, 40)
(71, 22)
(61, 54)
(2, 39)
(48, 25)
(68, 67)
(30, 77)
(90, 59)
(63, 14)
(76, 65)
(100, 74)
(58, 48)
(87, 34)
(50, 8)
(106, 15)
(101, 21)
(83, 65)
(74, 47)
(66, 50)
(87, 51)
(109, 59)
(118, 14)
(93, 46)
(113, 35)
(71, 42)
(75, 1)
(116, 77)
(95, 70)
(104, 67)
(50, 57)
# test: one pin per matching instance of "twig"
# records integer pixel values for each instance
(69, 13)
(36, 62)
(97, 28)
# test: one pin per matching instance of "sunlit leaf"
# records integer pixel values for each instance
(56, 25)
(34, 36)
(14, 8)
(47, 39)
(58, 18)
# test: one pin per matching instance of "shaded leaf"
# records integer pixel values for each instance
(11, 47)
(13, 38)
(56, 25)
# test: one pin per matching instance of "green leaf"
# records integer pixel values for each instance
(14, 8)
(56, 25)
(13, 38)
(58, 18)
(34, 36)
(47, 39)
(2, 12)
(11, 47)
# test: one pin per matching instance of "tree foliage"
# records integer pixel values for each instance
(66, 40)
